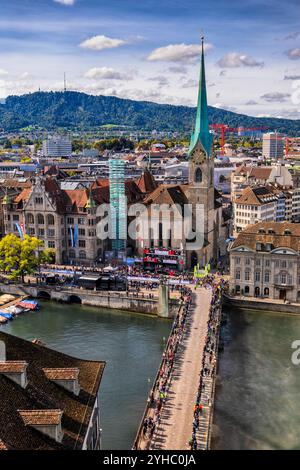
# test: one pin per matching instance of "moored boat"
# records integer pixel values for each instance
(29, 304)
(8, 316)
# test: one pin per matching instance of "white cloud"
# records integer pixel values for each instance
(251, 103)
(292, 77)
(3, 72)
(177, 52)
(160, 79)
(106, 73)
(190, 83)
(98, 43)
(177, 69)
(275, 97)
(65, 2)
(293, 54)
(235, 59)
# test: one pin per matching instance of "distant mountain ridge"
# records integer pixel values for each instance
(73, 109)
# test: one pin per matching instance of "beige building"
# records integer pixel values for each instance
(245, 176)
(265, 261)
(265, 203)
(65, 220)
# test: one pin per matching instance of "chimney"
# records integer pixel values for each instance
(47, 422)
(16, 371)
(65, 377)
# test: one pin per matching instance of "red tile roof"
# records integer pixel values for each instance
(12, 367)
(41, 417)
(62, 373)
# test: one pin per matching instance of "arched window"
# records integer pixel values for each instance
(30, 218)
(40, 219)
(238, 274)
(247, 289)
(82, 254)
(198, 176)
(71, 254)
(266, 292)
(50, 219)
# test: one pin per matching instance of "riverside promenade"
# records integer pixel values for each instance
(174, 427)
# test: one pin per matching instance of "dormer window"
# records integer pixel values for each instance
(47, 422)
(16, 371)
(287, 232)
(65, 377)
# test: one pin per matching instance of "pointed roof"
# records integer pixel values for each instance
(201, 132)
(146, 182)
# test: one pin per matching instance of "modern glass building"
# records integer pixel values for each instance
(118, 204)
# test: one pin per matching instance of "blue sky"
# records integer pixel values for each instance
(149, 49)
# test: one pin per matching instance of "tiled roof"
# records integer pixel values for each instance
(12, 367)
(62, 373)
(167, 194)
(274, 233)
(23, 196)
(3, 446)
(256, 196)
(41, 417)
(146, 182)
(256, 172)
(43, 394)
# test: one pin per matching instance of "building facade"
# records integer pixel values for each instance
(265, 261)
(273, 145)
(265, 203)
(55, 147)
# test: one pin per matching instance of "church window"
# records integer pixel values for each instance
(198, 176)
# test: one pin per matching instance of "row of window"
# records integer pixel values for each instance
(282, 278)
(267, 262)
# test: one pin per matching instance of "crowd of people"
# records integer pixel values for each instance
(160, 389)
(209, 360)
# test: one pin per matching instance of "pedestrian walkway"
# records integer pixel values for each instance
(174, 429)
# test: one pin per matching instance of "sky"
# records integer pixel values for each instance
(149, 50)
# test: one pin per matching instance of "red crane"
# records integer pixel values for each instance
(225, 128)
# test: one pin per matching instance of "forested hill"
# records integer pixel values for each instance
(74, 109)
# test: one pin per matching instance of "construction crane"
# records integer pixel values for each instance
(287, 144)
(223, 128)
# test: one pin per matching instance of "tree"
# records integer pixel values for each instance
(22, 257)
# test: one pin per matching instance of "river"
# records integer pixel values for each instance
(257, 394)
(131, 344)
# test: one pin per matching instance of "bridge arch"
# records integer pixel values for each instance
(75, 299)
(43, 294)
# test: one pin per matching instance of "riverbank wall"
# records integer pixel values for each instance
(132, 302)
(260, 304)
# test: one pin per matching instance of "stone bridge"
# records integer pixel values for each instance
(130, 302)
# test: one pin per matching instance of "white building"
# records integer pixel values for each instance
(273, 145)
(265, 262)
(245, 176)
(57, 147)
(265, 203)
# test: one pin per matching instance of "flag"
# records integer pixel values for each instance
(19, 230)
(72, 238)
(75, 237)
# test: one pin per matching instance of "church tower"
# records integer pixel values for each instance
(200, 189)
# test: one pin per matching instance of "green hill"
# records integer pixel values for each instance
(79, 110)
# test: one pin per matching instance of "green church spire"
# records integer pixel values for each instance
(201, 132)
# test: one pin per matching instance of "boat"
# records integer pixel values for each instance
(3, 320)
(8, 316)
(15, 310)
(29, 304)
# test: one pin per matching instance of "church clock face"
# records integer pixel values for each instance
(198, 157)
